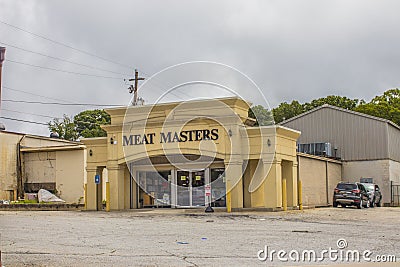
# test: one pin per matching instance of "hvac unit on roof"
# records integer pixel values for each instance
(318, 149)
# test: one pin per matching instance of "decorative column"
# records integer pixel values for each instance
(116, 181)
(90, 186)
(234, 185)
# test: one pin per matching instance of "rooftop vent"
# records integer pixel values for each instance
(54, 135)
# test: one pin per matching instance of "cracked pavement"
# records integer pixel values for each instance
(170, 237)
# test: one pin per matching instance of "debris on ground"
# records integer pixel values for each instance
(46, 196)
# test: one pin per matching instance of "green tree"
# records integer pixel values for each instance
(88, 123)
(85, 124)
(385, 106)
(262, 115)
(65, 128)
(286, 111)
(333, 100)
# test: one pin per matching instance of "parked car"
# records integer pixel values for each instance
(351, 194)
(374, 192)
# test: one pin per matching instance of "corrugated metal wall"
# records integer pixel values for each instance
(394, 143)
(355, 137)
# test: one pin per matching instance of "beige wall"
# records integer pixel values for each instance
(43, 160)
(319, 178)
(65, 168)
(70, 175)
(8, 164)
(394, 171)
(379, 170)
(40, 167)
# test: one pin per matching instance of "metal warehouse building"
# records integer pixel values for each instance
(368, 146)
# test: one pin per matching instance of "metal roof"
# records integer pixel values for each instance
(343, 110)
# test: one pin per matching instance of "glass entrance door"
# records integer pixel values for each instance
(183, 191)
(190, 188)
(198, 188)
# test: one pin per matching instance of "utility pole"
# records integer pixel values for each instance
(2, 56)
(134, 89)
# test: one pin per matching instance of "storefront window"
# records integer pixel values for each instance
(218, 188)
(155, 189)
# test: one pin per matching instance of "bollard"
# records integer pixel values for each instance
(85, 195)
(284, 195)
(300, 193)
(228, 202)
(107, 196)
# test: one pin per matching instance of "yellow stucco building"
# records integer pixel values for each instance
(190, 154)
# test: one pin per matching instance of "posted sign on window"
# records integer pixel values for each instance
(208, 190)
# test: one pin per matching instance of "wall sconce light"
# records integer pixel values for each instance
(269, 142)
(90, 152)
(111, 140)
(230, 132)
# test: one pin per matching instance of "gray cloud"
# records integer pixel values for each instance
(292, 49)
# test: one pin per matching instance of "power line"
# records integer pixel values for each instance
(29, 93)
(60, 104)
(65, 45)
(160, 86)
(66, 71)
(14, 119)
(20, 112)
(51, 117)
(61, 59)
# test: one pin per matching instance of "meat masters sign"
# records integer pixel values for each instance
(171, 137)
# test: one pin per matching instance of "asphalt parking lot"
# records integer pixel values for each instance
(191, 237)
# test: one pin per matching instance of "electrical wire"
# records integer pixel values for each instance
(60, 104)
(63, 44)
(20, 112)
(14, 119)
(29, 93)
(61, 59)
(39, 115)
(66, 71)
(79, 50)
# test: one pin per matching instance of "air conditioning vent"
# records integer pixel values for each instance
(318, 149)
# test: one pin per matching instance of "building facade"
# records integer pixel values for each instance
(369, 147)
(191, 154)
(29, 163)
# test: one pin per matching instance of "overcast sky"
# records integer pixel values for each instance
(291, 49)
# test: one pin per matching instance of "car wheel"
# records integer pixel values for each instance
(379, 203)
(335, 204)
(360, 206)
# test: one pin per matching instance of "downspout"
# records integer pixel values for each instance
(20, 190)
(327, 181)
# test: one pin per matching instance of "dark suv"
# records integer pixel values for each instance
(351, 194)
(375, 195)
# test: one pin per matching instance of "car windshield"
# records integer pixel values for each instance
(369, 187)
(347, 186)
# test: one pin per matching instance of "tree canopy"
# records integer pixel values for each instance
(85, 124)
(288, 110)
(385, 106)
(262, 115)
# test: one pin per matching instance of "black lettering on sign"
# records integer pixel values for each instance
(214, 134)
(171, 137)
(165, 138)
(127, 141)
